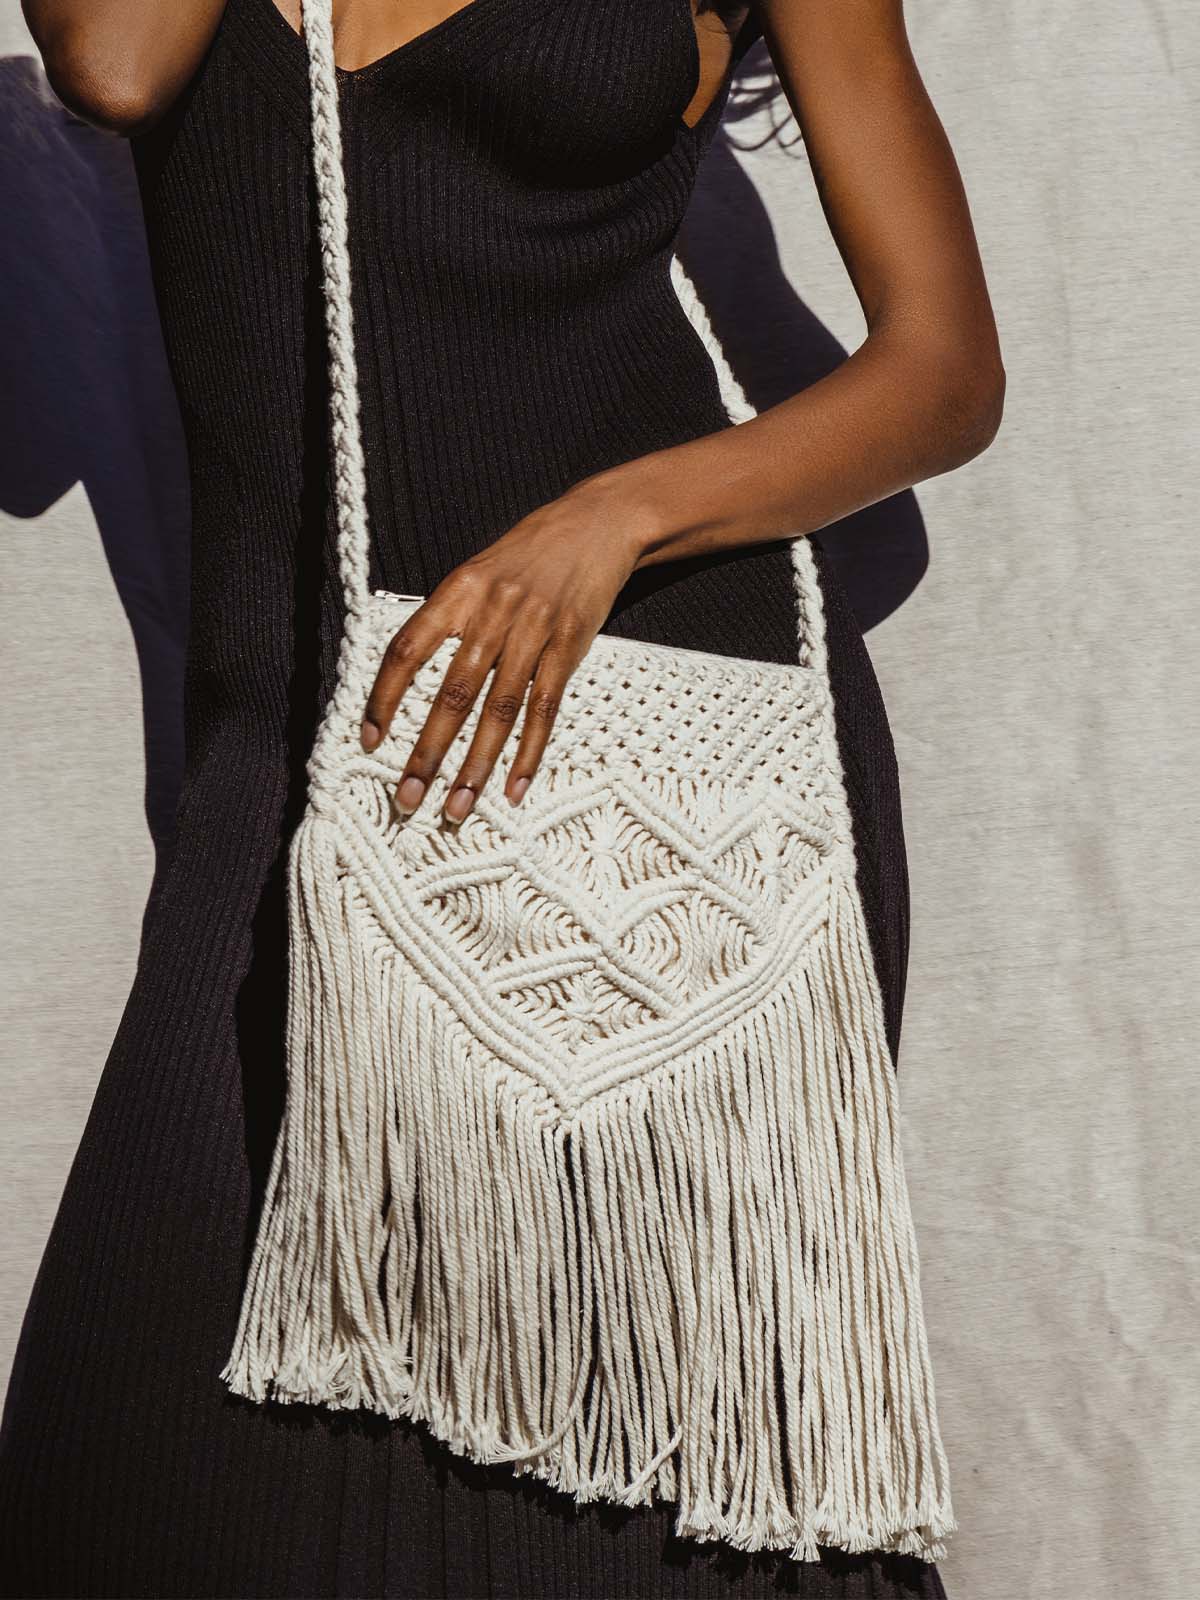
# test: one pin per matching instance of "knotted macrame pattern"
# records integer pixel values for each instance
(590, 1157)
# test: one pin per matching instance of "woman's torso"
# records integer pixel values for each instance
(516, 179)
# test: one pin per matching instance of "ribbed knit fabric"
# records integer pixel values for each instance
(516, 178)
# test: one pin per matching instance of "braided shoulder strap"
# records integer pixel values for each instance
(349, 471)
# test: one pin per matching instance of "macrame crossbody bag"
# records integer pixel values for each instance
(590, 1157)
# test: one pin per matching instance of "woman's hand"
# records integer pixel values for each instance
(528, 606)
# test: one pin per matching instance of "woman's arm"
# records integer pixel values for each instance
(922, 394)
(120, 64)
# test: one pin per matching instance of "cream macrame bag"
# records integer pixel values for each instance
(590, 1157)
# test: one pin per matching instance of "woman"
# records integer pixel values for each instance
(531, 394)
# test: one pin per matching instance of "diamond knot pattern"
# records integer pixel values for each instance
(680, 816)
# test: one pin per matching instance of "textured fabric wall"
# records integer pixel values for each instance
(1028, 617)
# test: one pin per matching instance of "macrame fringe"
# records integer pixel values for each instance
(702, 1285)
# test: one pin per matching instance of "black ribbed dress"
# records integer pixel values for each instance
(516, 179)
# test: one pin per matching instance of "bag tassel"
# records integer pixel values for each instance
(703, 1285)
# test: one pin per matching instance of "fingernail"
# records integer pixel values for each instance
(518, 791)
(409, 796)
(459, 803)
(370, 734)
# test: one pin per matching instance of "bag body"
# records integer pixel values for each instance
(590, 1158)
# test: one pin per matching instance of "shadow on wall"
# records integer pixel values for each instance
(774, 343)
(86, 397)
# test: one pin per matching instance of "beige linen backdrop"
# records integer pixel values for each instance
(1032, 621)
